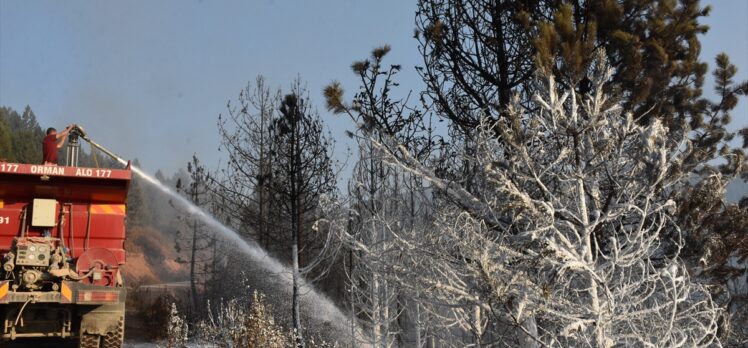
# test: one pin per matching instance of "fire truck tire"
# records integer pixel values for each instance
(89, 341)
(115, 339)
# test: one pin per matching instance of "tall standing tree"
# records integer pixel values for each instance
(27, 139)
(377, 192)
(246, 136)
(302, 172)
(197, 240)
(280, 164)
(373, 192)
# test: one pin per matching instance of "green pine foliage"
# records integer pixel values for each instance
(20, 136)
(654, 46)
(477, 53)
(6, 144)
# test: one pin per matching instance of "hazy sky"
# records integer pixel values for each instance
(148, 79)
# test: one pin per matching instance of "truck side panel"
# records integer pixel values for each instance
(106, 228)
(91, 200)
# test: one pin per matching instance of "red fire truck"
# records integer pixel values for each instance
(62, 235)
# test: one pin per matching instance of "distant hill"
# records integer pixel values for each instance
(151, 232)
(151, 257)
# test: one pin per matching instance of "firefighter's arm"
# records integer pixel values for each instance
(63, 135)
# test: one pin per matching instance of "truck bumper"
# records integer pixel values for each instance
(69, 293)
(74, 308)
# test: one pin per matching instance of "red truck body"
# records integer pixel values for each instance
(96, 198)
(78, 275)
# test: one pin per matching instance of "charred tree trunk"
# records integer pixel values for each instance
(193, 275)
(295, 229)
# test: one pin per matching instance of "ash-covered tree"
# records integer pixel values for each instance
(373, 192)
(573, 240)
(384, 198)
(478, 53)
(717, 245)
(302, 172)
(385, 203)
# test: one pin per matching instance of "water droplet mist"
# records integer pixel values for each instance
(324, 309)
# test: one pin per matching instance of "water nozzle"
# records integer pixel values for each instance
(78, 131)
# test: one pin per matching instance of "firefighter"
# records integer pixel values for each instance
(52, 142)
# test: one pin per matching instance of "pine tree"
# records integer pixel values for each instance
(6, 144)
(196, 239)
(303, 171)
(24, 135)
(478, 53)
(27, 138)
(246, 136)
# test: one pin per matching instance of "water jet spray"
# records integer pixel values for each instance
(325, 309)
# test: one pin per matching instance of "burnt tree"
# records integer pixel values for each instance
(302, 172)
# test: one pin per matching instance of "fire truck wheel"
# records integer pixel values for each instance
(89, 341)
(115, 339)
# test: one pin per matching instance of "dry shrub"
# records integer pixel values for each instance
(234, 324)
(261, 328)
(177, 330)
